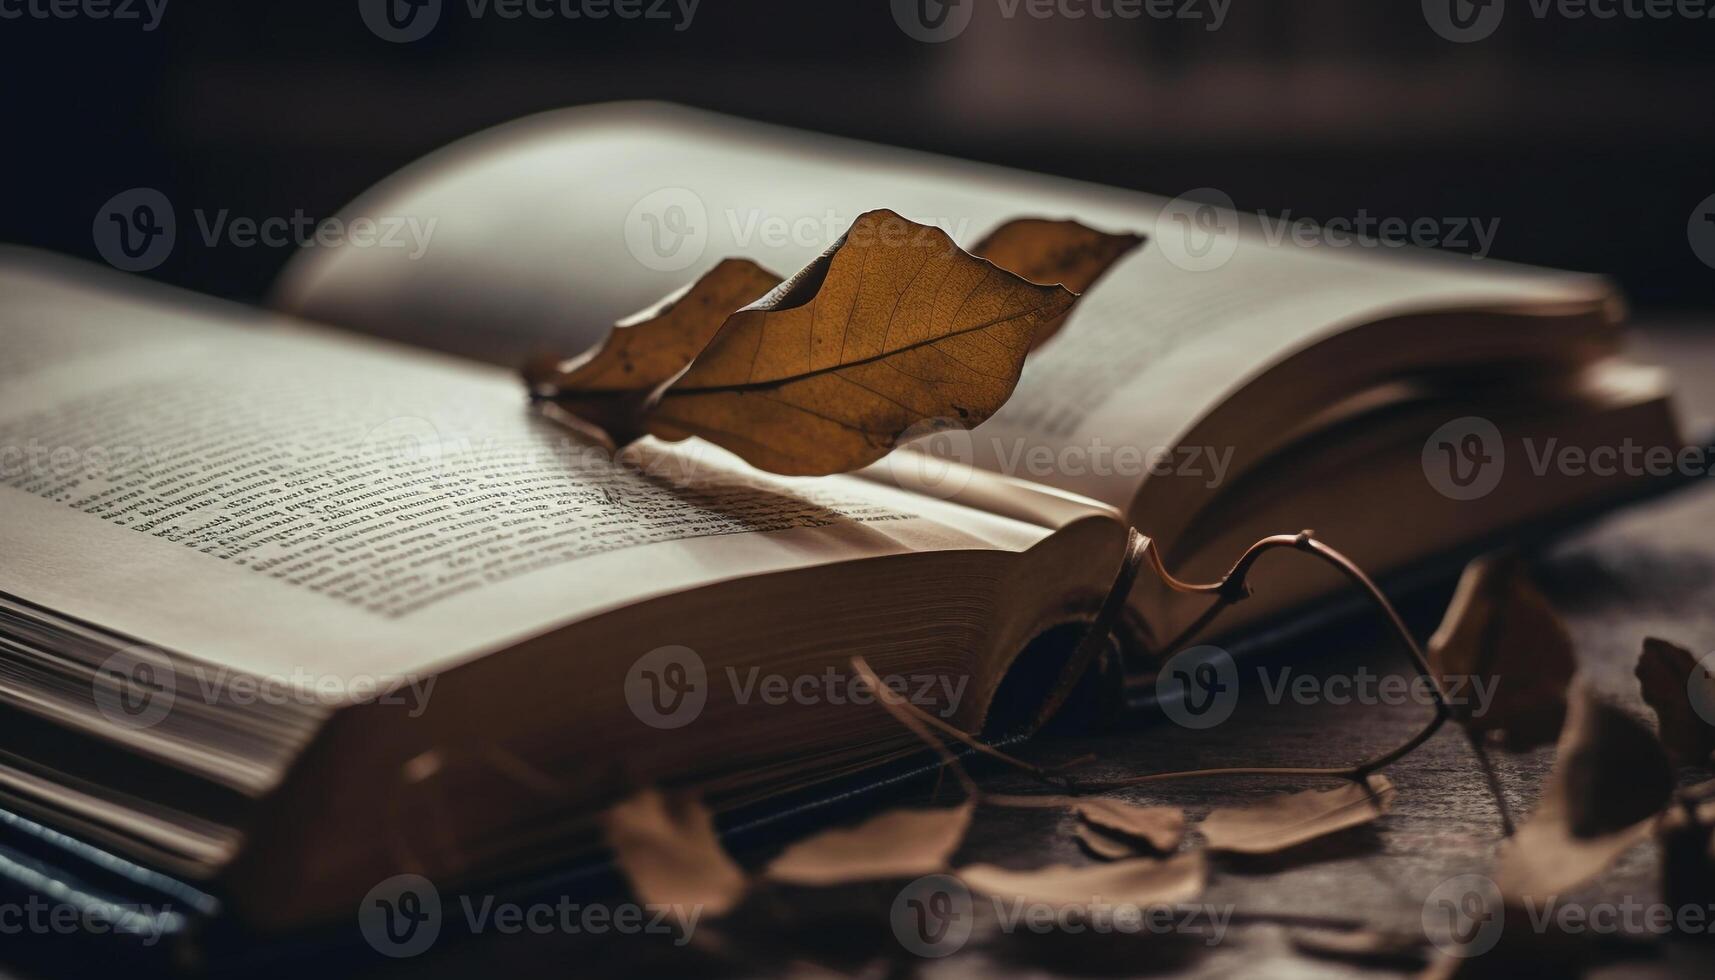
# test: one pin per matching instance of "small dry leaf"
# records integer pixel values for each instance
(1140, 881)
(1671, 678)
(1281, 822)
(1361, 945)
(892, 327)
(1686, 832)
(1101, 845)
(668, 850)
(1610, 778)
(1049, 252)
(1501, 633)
(608, 385)
(1161, 827)
(896, 844)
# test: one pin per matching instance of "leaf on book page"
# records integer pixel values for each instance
(892, 328)
(1682, 692)
(1139, 881)
(608, 385)
(1100, 845)
(1161, 827)
(900, 843)
(1280, 822)
(1048, 252)
(1610, 779)
(1504, 655)
(669, 851)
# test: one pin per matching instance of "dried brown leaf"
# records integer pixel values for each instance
(1681, 691)
(1362, 945)
(1610, 779)
(1499, 631)
(1101, 845)
(669, 851)
(1161, 827)
(896, 844)
(892, 327)
(1686, 832)
(1286, 821)
(608, 385)
(1048, 252)
(1141, 881)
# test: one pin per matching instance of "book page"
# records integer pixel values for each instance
(279, 500)
(604, 210)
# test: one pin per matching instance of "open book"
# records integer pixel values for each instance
(288, 609)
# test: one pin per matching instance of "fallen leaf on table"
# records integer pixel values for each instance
(667, 848)
(608, 385)
(1686, 832)
(1281, 822)
(1161, 827)
(896, 844)
(1610, 779)
(1362, 945)
(1101, 845)
(892, 327)
(1029, 801)
(1501, 642)
(1680, 691)
(1048, 252)
(1140, 881)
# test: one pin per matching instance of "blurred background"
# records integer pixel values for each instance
(1589, 140)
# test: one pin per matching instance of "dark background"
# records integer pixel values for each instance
(1590, 140)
